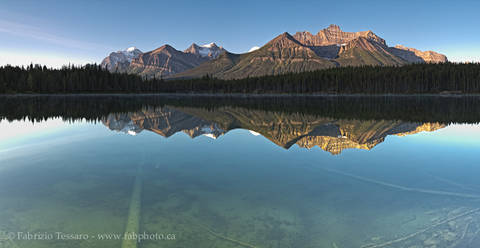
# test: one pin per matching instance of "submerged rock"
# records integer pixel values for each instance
(430, 242)
(449, 236)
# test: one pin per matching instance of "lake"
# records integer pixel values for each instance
(206, 171)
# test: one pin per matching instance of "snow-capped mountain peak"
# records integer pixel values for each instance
(130, 53)
(131, 49)
(211, 50)
(119, 61)
(210, 45)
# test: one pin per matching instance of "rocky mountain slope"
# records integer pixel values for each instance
(120, 60)
(211, 50)
(333, 35)
(416, 56)
(330, 47)
(164, 61)
(161, 62)
(281, 55)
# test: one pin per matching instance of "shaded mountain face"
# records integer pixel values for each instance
(164, 61)
(364, 51)
(161, 62)
(211, 51)
(285, 130)
(119, 61)
(330, 47)
(413, 55)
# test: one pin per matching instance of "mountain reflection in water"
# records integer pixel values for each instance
(331, 123)
(283, 129)
(241, 190)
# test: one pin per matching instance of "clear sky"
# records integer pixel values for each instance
(59, 32)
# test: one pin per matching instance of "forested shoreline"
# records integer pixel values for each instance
(461, 78)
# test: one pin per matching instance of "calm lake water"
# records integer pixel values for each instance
(189, 172)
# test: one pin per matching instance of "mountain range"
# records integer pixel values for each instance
(283, 129)
(303, 51)
(161, 62)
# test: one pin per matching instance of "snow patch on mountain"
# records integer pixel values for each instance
(210, 50)
(210, 135)
(120, 59)
(131, 49)
(210, 45)
(255, 48)
(130, 53)
(211, 131)
(254, 133)
(122, 125)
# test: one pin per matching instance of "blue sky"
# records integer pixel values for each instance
(58, 32)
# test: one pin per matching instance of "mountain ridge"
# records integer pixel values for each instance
(330, 47)
(164, 61)
(286, 53)
(333, 35)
